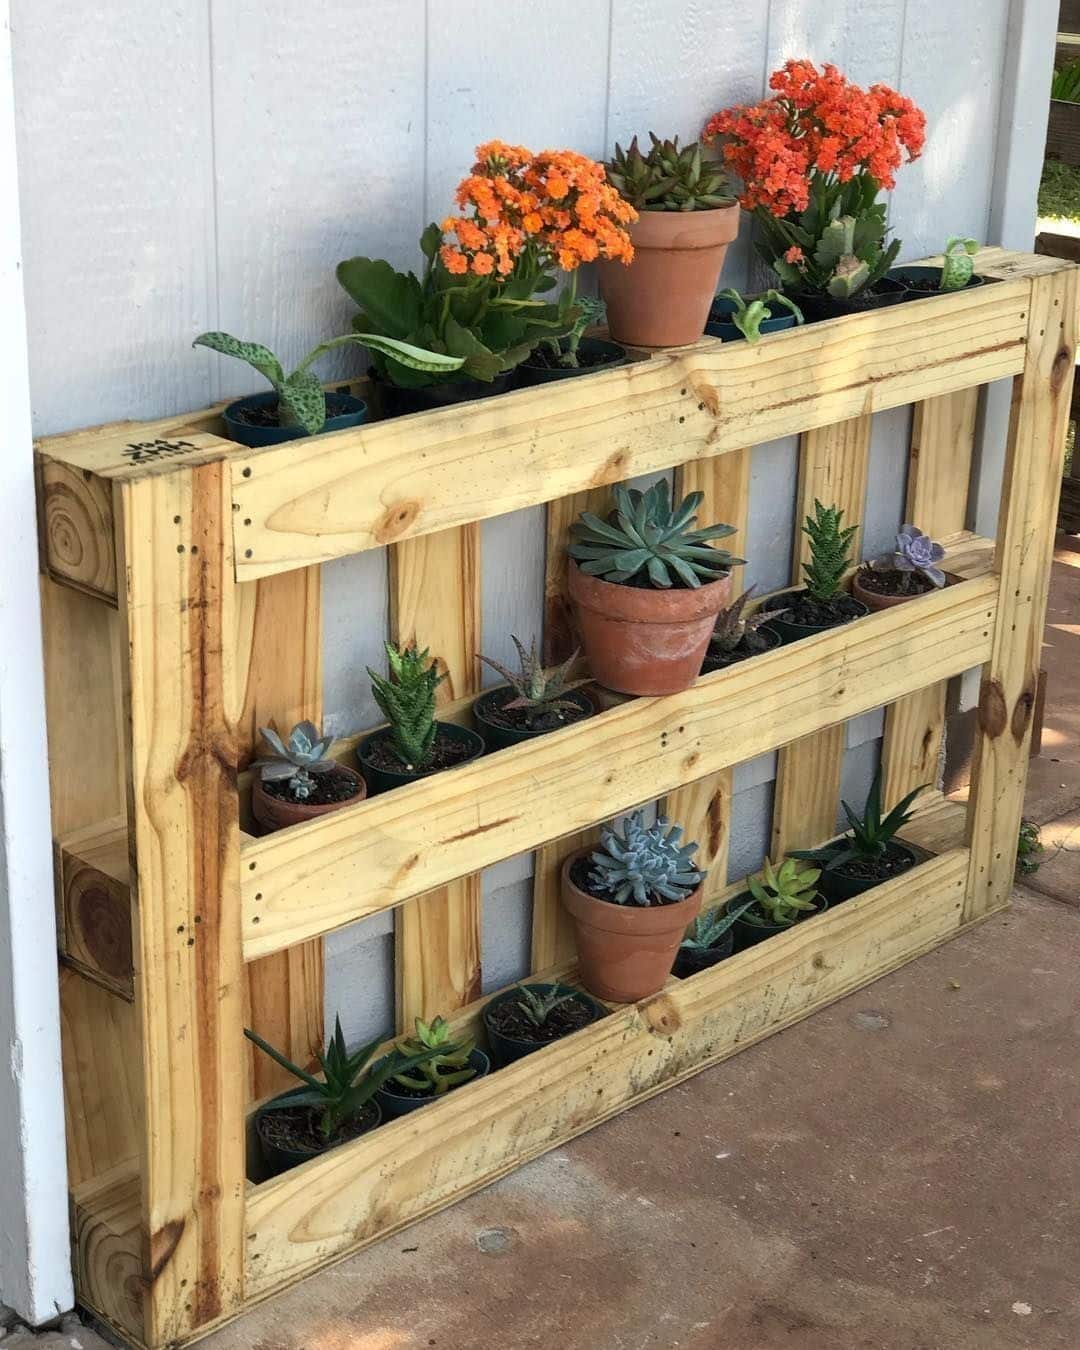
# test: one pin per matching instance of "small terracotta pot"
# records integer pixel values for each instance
(662, 299)
(641, 639)
(275, 813)
(876, 600)
(625, 952)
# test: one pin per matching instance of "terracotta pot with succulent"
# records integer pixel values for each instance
(909, 571)
(822, 603)
(631, 900)
(814, 158)
(738, 636)
(298, 405)
(298, 1125)
(414, 744)
(779, 897)
(956, 273)
(646, 588)
(564, 358)
(732, 318)
(533, 702)
(710, 939)
(526, 218)
(296, 782)
(869, 853)
(452, 1063)
(530, 1016)
(686, 218)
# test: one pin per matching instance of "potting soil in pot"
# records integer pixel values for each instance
(296, 1128)
(889, 581)
(809, 613)
(508, 1020)
(445, 754)
(519, 719)
(330, 788)
(751, 644)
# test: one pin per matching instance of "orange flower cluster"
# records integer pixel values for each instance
(555, 208)
(817, 122)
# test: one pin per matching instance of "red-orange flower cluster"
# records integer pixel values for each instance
(556, 206)
(817, 122)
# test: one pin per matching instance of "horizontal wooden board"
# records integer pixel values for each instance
(415, 1165)
(303, 881)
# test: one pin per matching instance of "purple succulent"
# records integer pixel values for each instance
(916, 552)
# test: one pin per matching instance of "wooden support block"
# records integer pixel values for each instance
(107, 1243)
(76, 529)
(94, 917)
(435, 603)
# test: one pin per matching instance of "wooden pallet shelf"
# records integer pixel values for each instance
(182, 602)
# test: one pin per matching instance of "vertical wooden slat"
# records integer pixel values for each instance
(832, 468)
(435, 602)
(1025, 540)
(177, 611)
(942, 443)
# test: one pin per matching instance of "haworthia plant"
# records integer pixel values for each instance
(301, 400)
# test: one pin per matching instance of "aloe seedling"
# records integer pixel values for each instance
(958, 265)
(830, 552)
(710, 926)
(748, 315)
(914, 552)
(539, 692)
(668, 177)
(732, 626)
(644, 534)
(299, 759)
(407, 701)
(644, 862)
(449, 1062)
(537, 1004)
(301, 400)
(870, 833)
(783, 893)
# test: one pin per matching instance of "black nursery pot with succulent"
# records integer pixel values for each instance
(451, 1064)
(779, 897)
(822, 603)
(414, 744)
(869, 853)
(709, 939)
(533, 702)
(738, 636)
(530, 1016)
(567, 357)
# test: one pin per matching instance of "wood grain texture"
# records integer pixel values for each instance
(107, 1244)
(94, 920)
(75, 527)
(1032, 481)
(435, 603)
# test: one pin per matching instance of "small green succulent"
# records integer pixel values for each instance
(539, 692)
(711, 925)
(748, 315)
(668, 177)
(447, 1066)
(958, 264)
(830, 551)
(299, 759)
(732, 625)
(783, 893)
(643, 535)
(538, 1004)
(1028, 848)
(407, 701)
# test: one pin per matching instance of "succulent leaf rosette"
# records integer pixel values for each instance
(644, 864)
(914, 552)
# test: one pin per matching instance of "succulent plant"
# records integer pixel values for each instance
(1028, 847)
(748, 315)
(539, 692)
(711, 925)
(301, 400)
(830, 551)
(299, 759)
(958, 263)
(538, 1004)
(448, 1064)
(668, 177)
(645, 863)
(644, 534)
(407, 701)
(732, 626)
(345, 1086)
(914, 552)
(590, 311)
(870, 833)
(783, 893)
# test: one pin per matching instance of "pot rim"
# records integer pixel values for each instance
(613, 918)
(647, 604)
(320, 809)
(280, 1100)
(478, 711)
(380, 733)
(684, 230)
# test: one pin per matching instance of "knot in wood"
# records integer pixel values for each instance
(661, 1016)
(993, 710)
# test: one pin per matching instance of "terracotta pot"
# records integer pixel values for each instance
(875, 599)
(662, 299)
(643, 640)
(625, 952)
(275, 813)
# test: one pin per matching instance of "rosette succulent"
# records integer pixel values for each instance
(645, 864)
(783, 893)
(538, 1004)
(539, 692)
(914, 552)
(448, 1063)
(668, 177)
(299, 759)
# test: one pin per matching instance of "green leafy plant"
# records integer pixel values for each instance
(1066, 83)
(645, 863)
(538, 1004)
(748, 315)
(732, 625)
(870, 834)
(668, 177)
(347, 1081)
(407, 700)
(830, 552)
(300, 759)
(1028, 848)
(644, 535)
(711, 925)
(301, 399)
(782, 893)
(449, 1062)
(539, 692)
(958, 263)
(591, 312)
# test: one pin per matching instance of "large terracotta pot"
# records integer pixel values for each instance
(643, 640)
(662, 299)
(625, 952)
(275, 813)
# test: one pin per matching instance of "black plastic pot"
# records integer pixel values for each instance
(713, 662)
(819, 305)
(905, 275)
(498, 737)
(342, 410)
(506, 1049)
(395, 401)
(278, 1159)
(690, 962)
(749, 934)
(393, 1103)
(379, 779)
(838, 886)
(615, 354)
(794, 632)
(719, 327)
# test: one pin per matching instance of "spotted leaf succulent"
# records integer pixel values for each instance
(538, 692)
(711, 925)
(644, 864)
(959, 262)
(732, 625)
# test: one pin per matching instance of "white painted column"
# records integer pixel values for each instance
(35, 1270)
